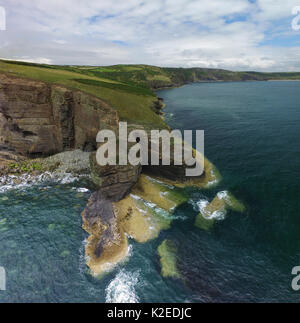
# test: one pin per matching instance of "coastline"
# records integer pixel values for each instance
(116, 183)
(286, 80)
(221, 81)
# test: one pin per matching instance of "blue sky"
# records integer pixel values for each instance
(230, 34)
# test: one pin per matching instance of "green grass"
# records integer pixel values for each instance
(117, 86)
(132, 102)
(129, 88)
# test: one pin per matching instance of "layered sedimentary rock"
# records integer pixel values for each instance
(107, 243)
(141, 218)
(115, 182)
(145, 212)
(40, 119)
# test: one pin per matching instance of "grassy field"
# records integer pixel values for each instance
(129, 88)
(132, 101)
(152, 77)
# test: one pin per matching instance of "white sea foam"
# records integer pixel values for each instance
(223, 195)
(201, 205)
(21, 182)
(82, 257)
(136, 197)
(154, 180)
(218, 215)
(122, 288)
(162, 194)
(82, 190)
(214, 182)
(211, 183)
(141, 210)
(159, 211)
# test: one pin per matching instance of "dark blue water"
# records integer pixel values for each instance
(251, 135)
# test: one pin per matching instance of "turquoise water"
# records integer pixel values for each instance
(251, 135)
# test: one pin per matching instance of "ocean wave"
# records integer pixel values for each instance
(82, 257)
(159, 211)
(216, 215)
(223, 195)
(14, 182)
(201, 206)
(154, 180)
(227, 197)
(168, 215)
(81, 189)
(122, 288)
(213, 182)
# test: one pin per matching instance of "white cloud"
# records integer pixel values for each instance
(208, 33)
(37, 60)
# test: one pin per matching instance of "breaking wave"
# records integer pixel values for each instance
(82, 257)
(201, 205)
(13, 182)
(122, 288)
(168, 215)
(216, 215)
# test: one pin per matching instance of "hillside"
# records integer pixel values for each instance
(153, 77)
(134, 103)
(129, 88)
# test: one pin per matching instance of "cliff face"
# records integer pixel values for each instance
(115, 181)
(41, 119)
(38, 119)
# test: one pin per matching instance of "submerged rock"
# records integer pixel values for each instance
(148, 210)
(216, 210)
(159, 192)
(140, 220)
(141, 215)
(168, 259)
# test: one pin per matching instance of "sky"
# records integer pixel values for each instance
(230, 34)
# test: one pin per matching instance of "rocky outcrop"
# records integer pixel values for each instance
(142, 215)
(158, 106)
(6, 159)
(40, 119)
(115, 182)
(216, 210)
(107, 243)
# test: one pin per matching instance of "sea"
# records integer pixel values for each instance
(252, 132)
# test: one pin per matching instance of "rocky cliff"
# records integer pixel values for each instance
(39, 119)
